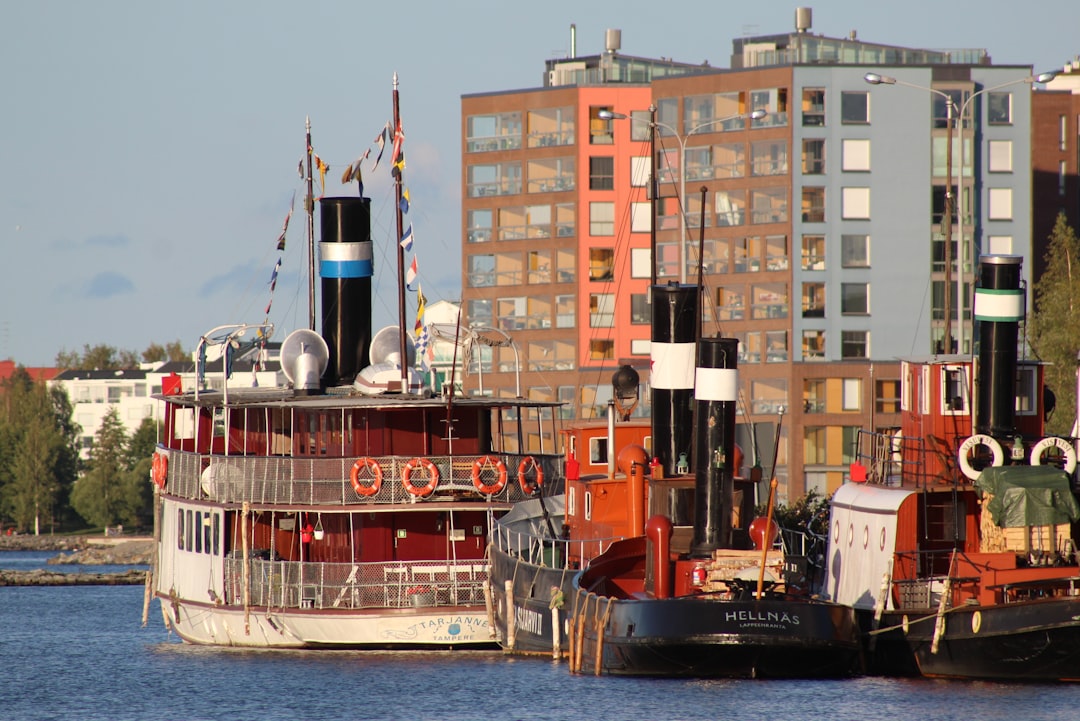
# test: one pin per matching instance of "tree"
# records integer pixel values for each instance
(138, 492)
(1054, 326)
(38, 451)
(99, 496)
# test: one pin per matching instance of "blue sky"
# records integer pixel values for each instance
(150, 148)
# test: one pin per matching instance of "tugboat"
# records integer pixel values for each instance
(953, 539)
(351, 507)
(646, 606)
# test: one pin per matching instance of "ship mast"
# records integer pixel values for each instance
(400, 250)
(309, 206)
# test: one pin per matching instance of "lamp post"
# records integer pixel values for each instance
(1040, 78)
(946, 221)
(654, 184)
(955, 120)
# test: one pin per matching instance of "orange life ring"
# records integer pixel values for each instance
(376, 476)
(159, 469)
(489, 489)
(406, 477)
(530, 487)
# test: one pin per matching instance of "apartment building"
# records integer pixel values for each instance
(812, 202)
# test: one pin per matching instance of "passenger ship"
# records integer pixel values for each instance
(349, 508)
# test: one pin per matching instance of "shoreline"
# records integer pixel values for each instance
(40, 577)
(79, 550)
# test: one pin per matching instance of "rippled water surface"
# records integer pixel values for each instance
(81, 653)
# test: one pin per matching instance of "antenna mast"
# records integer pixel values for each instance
(309, 206)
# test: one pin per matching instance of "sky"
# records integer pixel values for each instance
(151, 149)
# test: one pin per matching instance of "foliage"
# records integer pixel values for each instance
(807, 513)
(38, 451)
(105, 357)
(101, 495)
(1054, 326)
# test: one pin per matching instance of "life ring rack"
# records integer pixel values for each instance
(159, 469)
(969, 444)
(1062, 444)
(530, 487)
(366, 489)
(485, 463)
(433, 477)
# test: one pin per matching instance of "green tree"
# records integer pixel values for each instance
(806, 513)
(137, 489)
(38, 451)
(99, 496)
(1054, 326)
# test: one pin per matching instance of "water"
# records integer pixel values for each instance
(81, 653)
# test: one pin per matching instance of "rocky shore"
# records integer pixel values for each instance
(81, 550)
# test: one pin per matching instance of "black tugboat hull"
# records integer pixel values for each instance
(707, 637)
(529, 606)
(1025, 641)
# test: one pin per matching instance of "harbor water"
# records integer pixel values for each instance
(80, 652)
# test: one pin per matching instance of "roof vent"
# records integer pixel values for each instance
(804, 19)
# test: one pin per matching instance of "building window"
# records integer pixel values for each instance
(813, 345)
(602, 218)
(776, 252)
(855, 251)
(854, 298)
(768, 205)
(640, 170)
(538, 266)
(500, 131)
(731, 302)
(768, 395)
(640, 346)
(1000, 244)
(813, 300)
(481, 270)
(640, 263)
(813, 252)
(601, 349)
(768, 157)
(813, 106)
(1000, 156)
(813, 395)
(601, 310)
(1000, 205)
(601, 264)
(772, 100)
(850, 437)
(564, 311)
(479, 225)
(602, 173)
(478, 312)
(854, 107)
(887, 396)
(729, 160)
(493, 179)
(600, 128)
(551, 126)
(855, 203)
(776, 346)
(813, 204)
(852, 394)
(730, 206)
(939, 106)
(854, 344)
(640, 125)
(999, 108)
(565, 265)
(640, 311)
(814, 451)
(855, 155)
(768, 301)
(551, 175)
(813, 156)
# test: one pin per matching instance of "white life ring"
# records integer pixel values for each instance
(1054, 442)
(979, 439)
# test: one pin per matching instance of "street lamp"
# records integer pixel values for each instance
(946, 221)
(653, 125)
(876, 79)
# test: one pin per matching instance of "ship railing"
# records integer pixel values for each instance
(327, 481)
(278, 584)
(891, 458)
(542, 550)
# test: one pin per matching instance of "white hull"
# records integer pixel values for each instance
(422, 628)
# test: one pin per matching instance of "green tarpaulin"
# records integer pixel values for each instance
(1028, 496)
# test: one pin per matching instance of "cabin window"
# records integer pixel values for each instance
(217, 534)
(954, 390)
(598, 451)
(571, 502)
(198, 532)
(588, 506)
(180, 529)
(1027, 404)
(190, 527)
